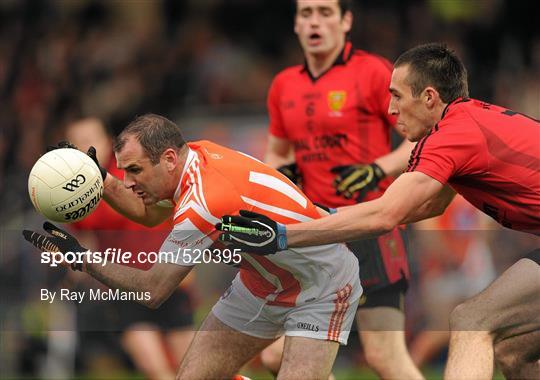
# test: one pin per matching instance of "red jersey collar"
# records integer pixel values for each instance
(455, 101)
(343, 57)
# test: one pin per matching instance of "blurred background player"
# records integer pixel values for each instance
(330, 133)
(155, 340)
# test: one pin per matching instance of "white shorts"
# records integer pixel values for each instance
(328, 318)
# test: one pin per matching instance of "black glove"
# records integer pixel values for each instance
(61, 145)
(329, 210)
(91, 153)
(292, 172)
(60, 241)
(253, 233)
(359, 179)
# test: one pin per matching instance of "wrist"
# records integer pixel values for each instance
(103, 172)
(281, 238)
(378, 170)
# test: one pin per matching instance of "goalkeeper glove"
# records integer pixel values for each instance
(359, 179)
(91, 153)
(292, 172)
(58, 241)
(253, 233)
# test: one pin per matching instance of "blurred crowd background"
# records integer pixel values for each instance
(207, 64)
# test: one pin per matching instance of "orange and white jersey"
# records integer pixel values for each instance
(218, 181)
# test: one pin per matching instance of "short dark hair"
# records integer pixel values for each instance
(435, 65)
(155, 134)
(344, 6)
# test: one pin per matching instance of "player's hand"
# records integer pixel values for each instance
(58, 241)
(253, 233)
(292, 172)
(358, 179)
(91, 153)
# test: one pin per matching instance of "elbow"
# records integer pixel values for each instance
(438, 211)
(154, 302)
(159, 292)
(148, 223)
(145, 220)
(386, 227)
(387, 223)
(156, 299)
(389, 220)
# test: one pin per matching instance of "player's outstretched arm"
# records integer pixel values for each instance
(125, 202)
(433, 207)
(159, 282)
(406, 199)
(402, 201)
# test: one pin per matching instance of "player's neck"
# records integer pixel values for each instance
(440, 111)
(177, 174)
(318, 64)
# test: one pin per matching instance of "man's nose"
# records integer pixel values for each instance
(314, 19)
(392, 109)
(128, 182)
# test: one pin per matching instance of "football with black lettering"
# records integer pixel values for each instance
(65, 185)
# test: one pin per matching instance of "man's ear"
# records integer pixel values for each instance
(347, 21)
(171, 159)
(431, 97)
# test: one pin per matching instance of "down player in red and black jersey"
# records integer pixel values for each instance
(329, 118)
(488, 154)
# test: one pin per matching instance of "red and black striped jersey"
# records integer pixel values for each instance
(491, 156)
(339, 118)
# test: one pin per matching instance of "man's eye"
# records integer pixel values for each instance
(326, 12)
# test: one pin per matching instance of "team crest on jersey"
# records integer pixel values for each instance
(336, 101)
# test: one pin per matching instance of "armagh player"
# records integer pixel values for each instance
(330, 117)
(488, 154)
(309, 295)
(150, 337)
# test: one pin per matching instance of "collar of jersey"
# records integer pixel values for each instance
(455, 101)
(190, 156)
(342, 58)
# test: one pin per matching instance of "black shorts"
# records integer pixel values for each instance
(384, 269)
(175, 313)
(383, 260)
(534, 256)
(392, 295)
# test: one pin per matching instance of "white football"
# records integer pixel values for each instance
(65, 185)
